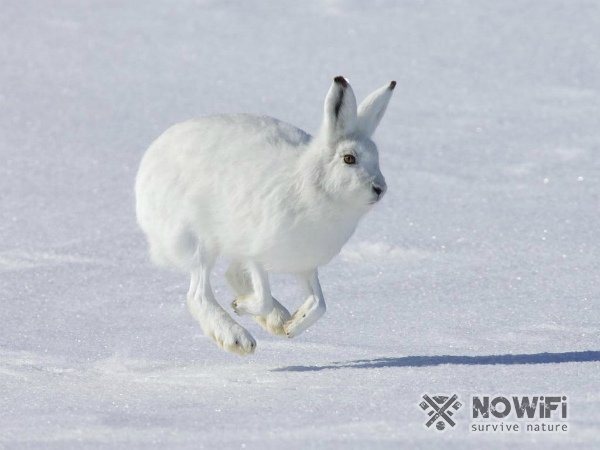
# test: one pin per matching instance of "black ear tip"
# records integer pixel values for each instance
(392, 85)
(341, 80)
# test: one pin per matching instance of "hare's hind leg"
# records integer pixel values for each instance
(253, 296)
(311, 310)
(215, 322)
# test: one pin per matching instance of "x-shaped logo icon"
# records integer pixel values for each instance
(440, 408)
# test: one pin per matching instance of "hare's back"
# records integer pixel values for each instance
(204, 173)
(232, 143)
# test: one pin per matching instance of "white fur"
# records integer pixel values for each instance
(264, 194)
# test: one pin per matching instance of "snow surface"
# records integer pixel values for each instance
(486, 244)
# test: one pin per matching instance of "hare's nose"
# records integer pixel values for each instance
(377, 190)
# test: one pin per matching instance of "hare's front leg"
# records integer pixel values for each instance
(258, 301)
(311, 310)
(215, 322)
(253, 296)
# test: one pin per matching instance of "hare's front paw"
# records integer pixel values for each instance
(275, 320)
(308, 313)
(250, 304)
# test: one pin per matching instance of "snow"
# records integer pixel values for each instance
(485, 246)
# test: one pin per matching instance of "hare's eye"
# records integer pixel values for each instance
(349, 159)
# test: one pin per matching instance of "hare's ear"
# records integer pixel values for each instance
(372, 108)
(340, 110)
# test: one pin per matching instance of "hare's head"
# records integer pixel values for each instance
(349, 161)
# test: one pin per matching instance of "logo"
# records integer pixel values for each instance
(500, 414)
(440, 409)
(516, 413)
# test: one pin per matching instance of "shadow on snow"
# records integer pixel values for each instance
(426, 361)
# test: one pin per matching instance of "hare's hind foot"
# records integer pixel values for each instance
(222, 329)
(214, 321)
(227, 334)
(231, 337)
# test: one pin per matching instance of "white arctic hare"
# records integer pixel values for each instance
(267, 196)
